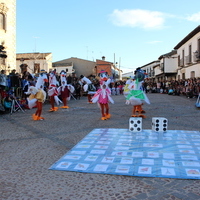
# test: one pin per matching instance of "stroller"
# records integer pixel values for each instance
(197, 104)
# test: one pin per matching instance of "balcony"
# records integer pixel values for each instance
(151, 74)
(181, 64)
(188, 59)
(162, 67)
(196, 56)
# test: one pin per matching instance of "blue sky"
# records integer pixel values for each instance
(130, 32)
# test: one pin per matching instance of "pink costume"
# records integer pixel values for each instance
(103, 96)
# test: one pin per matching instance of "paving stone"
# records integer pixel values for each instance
(28, 148)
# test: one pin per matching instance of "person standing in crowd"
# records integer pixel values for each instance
(158, 85)
(77, 91)
(3, 80)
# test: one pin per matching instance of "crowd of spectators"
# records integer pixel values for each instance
(188, 87)
(16, 84)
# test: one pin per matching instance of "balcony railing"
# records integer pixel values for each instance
(188, 59)
(181, 64)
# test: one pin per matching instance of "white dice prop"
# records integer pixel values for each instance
(135, 124)
(159, 124)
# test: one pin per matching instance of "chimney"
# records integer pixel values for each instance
(103, 58)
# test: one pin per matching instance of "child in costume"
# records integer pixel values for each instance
(53, 91)
(126, 87)
(65, 89)
(103, 95)
(137, 96)
(88, 87)
(37, 95)
(42, 79)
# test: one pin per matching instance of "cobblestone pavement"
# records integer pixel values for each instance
(28, 148)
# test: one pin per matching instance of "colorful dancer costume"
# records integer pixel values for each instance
(37, 95)
(126, 88)
(53, 91)
(103, 95)
(88, 87)
(137, 96)
(65, 89)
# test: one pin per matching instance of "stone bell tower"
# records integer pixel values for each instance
(7, 35)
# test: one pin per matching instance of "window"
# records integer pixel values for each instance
(190, 54)
(198, 49)
(2, 21)
(179, 61)
(36, 68)
(192, 74)
(183, 57)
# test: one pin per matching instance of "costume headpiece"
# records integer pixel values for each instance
(42, 71)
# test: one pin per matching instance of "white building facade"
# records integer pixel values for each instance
(8, 34)
(167, 69)
(188, 51)
(183, 62)
(33, 62)
(152, 68)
